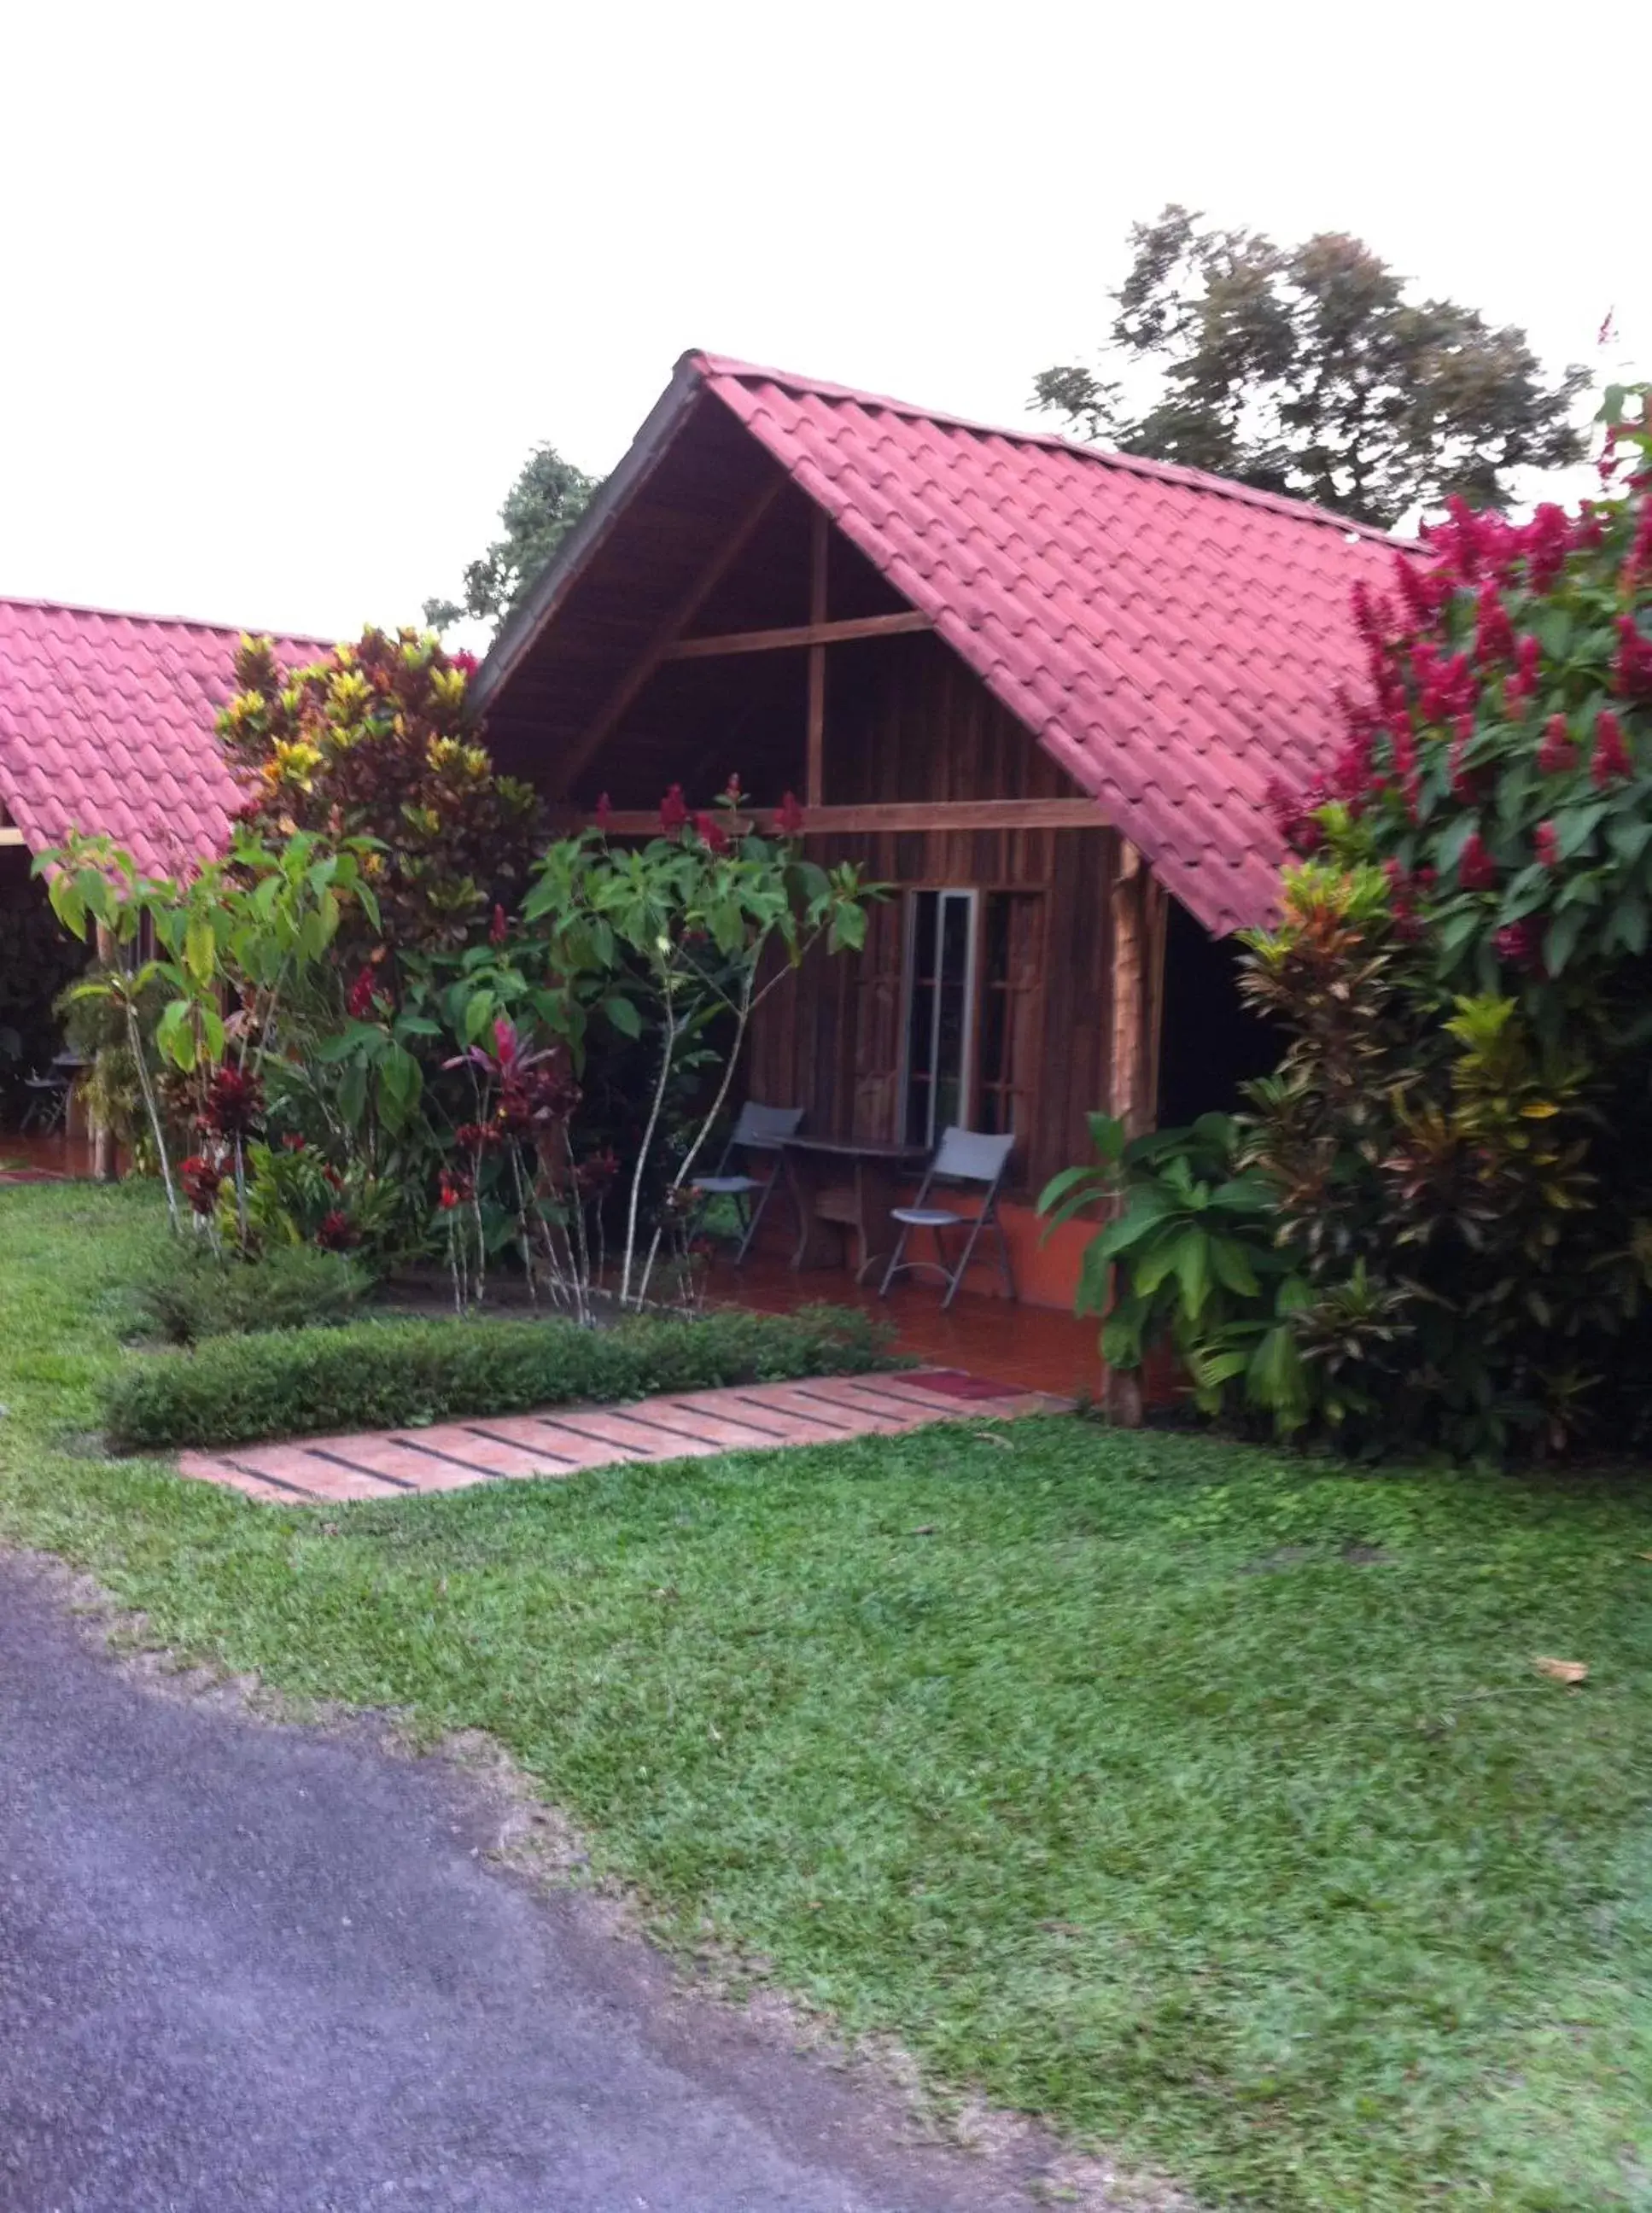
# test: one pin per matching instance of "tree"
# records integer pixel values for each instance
(1307, 370)
(540, 509)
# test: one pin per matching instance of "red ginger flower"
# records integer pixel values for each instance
(1476, 869)
(1632, 674)
(710, 832)
(338, 1232)
(673, 810)
(1547, 844)
(1557, 753)
(1610, 759)
(1494, 634)
(466, 663)
(1518, 944)
(501, 927)
(1548, 540)
(359, 1003)
(1528, 667)
(789, 817)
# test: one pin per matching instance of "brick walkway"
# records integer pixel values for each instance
(451, 1455)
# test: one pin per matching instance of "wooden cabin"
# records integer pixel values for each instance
(1039, 690)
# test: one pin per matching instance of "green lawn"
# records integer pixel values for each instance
(1204, 1801)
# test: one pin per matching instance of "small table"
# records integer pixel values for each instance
(840, 1183)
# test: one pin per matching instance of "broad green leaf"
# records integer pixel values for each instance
(1232, 1267)
(1575, 826)
(1561, 940)
(1193, 1263)
(200, 949)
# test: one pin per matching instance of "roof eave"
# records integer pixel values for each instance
(571, 558)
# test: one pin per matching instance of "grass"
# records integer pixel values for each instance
(1204, 1801)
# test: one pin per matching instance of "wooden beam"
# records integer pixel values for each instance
(814, 768)
(1131, 963)
(871, 817)
(810, 634)
(10, 834)
(661, 639)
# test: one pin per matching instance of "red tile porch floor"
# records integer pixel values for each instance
(562, 1440)
(1038, 1348)
(35, 1159)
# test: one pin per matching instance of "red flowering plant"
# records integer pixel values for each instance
(1463, 971)
(210, 974)
(511, 1174)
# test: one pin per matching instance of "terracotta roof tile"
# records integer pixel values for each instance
(106, 724)
(1174, 640)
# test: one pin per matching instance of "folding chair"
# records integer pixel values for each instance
(963, 1157)
(48, 1101)
(757, 1130)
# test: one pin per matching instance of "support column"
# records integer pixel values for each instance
(1140, 915)
(815, 782)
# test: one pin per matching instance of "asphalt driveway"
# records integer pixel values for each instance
(248, 1965)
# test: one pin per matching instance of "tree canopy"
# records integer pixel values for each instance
(1308, 370)
(540, 509)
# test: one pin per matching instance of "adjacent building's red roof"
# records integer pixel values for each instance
(1174, 639)
(106, 724)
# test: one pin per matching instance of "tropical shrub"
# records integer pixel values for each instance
(309, 1078)
(386, 1375)
(1189, 1260)
(1450, 1164)
(190, 1292)
(237, 947)
(378, 741)
(1462, 969)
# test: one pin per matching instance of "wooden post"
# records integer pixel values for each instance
(1140, 917)
(103, 1143)
(819, 529)
(1130, 1059)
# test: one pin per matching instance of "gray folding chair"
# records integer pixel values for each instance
(963, 1157)
(757, 1130)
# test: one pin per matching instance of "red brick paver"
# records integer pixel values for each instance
(562, 1440)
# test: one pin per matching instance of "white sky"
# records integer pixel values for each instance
(289, 290)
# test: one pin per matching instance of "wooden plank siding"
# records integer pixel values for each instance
(906, 722)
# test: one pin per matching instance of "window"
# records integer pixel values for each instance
(974, 961)
(1011, 965)
(940, 1010)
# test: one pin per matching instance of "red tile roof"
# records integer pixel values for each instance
(1174, 639)
(106, 724)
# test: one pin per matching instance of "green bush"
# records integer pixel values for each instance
(1191, 1260)
(187, 1295)
(387, 1374)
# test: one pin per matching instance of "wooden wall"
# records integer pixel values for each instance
(906, 720)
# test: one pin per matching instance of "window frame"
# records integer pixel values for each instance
(971, 896)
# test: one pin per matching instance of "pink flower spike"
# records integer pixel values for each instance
(1609, 762)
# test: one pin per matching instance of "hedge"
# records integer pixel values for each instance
(394, 1374)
